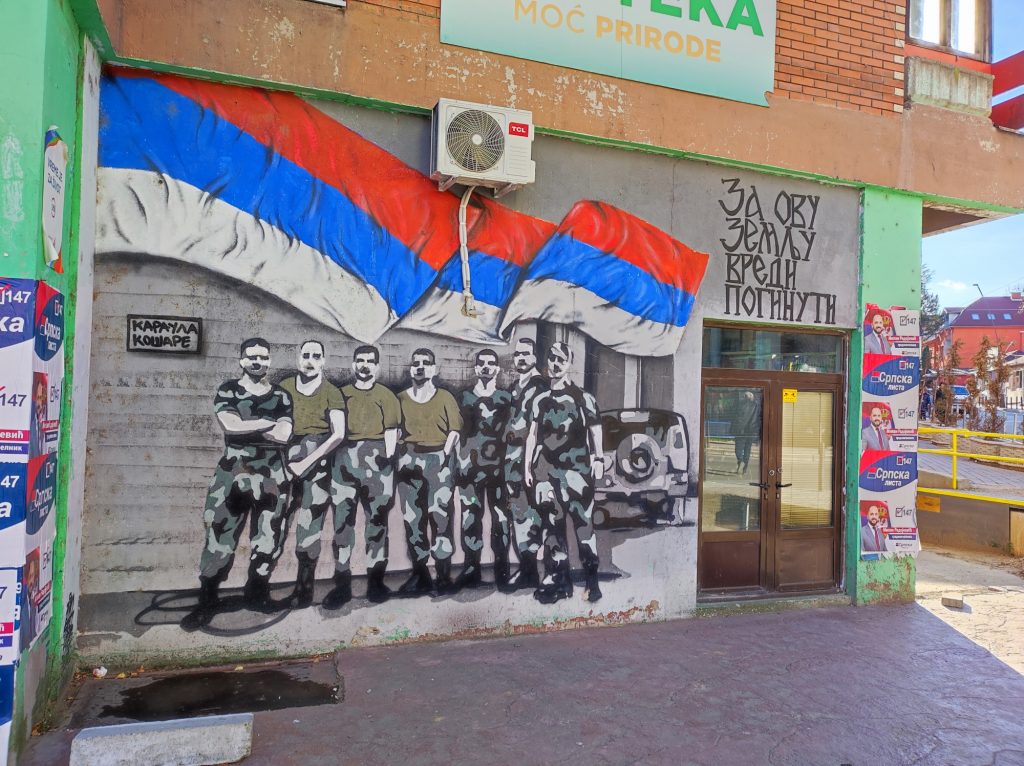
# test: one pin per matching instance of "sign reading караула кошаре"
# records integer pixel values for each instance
(722, 48)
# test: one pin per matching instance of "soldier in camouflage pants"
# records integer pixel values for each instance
(247, 481)
(563, 461)
(362, 474)
(519, 499)
(426, 491)
(250, 481)
(485, 408)
(426, 479)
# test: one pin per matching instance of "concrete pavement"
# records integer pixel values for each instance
(837, 685)
(992, 587)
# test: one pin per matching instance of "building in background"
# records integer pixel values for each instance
(722, 202)
(1000, 319)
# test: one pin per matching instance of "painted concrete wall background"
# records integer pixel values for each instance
(153, 439)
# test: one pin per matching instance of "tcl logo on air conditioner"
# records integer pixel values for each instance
(519, 129)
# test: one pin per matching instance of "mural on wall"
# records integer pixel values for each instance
(271, 192)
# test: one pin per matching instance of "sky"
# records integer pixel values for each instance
(992, 253)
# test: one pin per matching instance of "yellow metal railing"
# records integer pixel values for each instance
(955, 453)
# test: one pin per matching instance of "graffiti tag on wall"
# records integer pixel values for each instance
(766, 243)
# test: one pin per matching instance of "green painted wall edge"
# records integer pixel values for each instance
(92, 24)
(890, 269)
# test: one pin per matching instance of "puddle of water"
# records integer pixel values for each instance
(218, 693)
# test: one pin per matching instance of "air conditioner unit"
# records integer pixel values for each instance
(480, 145)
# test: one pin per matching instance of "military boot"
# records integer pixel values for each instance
(560, 587)
(593, 589)
(341, 593)
(526, 576)
(376, 591)
(205, 610)
(501, 569)
(443, 583)
(469, 577)
(419, 582)
(256, 594)
(302, 596)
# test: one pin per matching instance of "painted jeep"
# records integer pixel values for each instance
(646, 466)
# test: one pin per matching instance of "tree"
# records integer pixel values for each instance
(931, 311)
(986, 388)
(945, 412)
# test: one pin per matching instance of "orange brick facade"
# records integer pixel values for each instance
(846, 53)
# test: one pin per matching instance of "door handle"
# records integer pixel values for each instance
(763, 485)
(780, 486)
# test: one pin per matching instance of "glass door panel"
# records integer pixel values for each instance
(730, 490)
(807, 465)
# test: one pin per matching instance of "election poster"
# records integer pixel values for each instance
(17, 339)
(31, 390)
(889, 433)
(9, 586)
(55, 168)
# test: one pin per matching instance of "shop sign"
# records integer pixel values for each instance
(723, 48)
(163, 334)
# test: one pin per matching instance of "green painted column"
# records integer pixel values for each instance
(890, 262)
(41, 58)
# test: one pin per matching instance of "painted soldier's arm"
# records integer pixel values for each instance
(451, 442)
(233, 423)
(528, 454)
(596, 454)
(390, 442)
(281, 432)
(391, 412)
(592, 418)
(337, 420)
(454, 417)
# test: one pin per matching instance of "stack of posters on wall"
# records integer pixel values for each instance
(888, 461)
(31, 383)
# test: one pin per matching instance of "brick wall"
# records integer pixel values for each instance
(847, 53)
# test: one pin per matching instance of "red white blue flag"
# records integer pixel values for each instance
(264, 188)
(500, 245)
(624, 282)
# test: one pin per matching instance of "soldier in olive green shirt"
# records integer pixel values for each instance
(431, 421)
(318, 412)
(364, 472)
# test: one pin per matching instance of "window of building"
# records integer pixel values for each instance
(959, 26)
(975, 316)
(1007, 317)
(991, 317)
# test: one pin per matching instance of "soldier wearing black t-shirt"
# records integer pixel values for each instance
(250, 480)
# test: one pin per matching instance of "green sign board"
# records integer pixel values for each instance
(723, 48)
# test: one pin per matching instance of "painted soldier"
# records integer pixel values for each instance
(251, 481)
(432, 422)
(364, 474)
(525, 518)
(318, 410)
(481, 479)
(563, 464)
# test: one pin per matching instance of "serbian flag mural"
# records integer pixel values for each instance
(501, 243)
(266, 189)
(627, 284)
